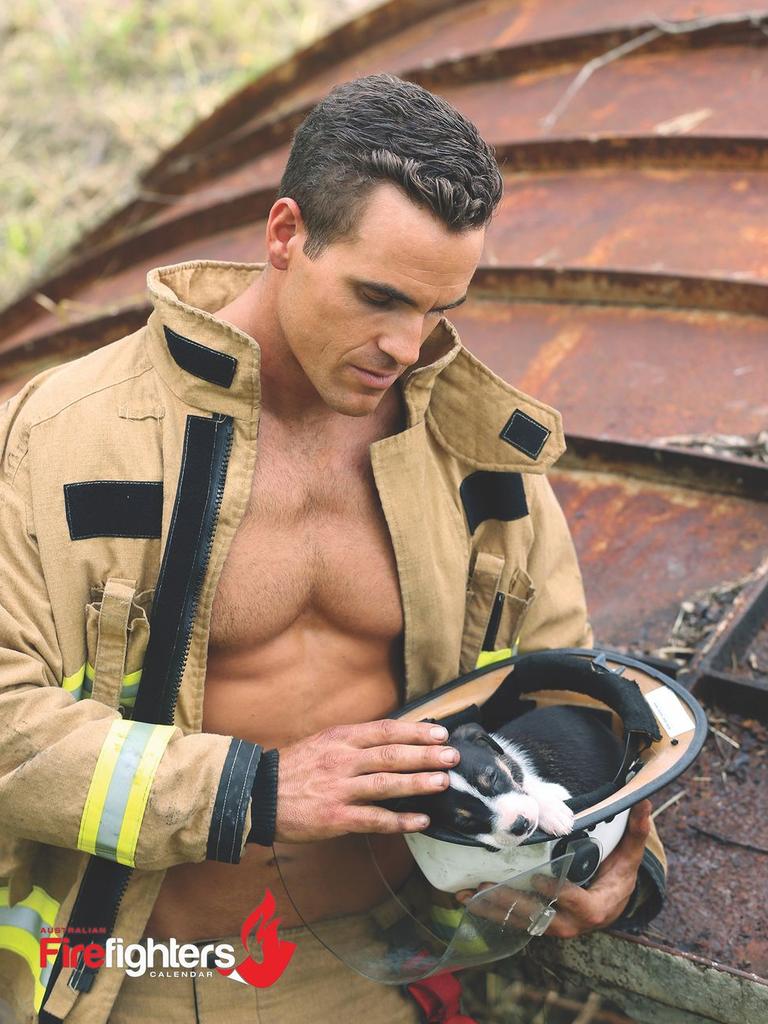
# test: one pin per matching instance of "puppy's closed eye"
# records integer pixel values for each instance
(466, 821)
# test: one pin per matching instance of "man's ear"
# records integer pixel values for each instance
(285, 229)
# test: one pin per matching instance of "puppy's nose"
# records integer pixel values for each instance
(520, 826)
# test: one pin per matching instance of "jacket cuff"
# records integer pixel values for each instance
(225, 835)
(648, 897)
(264, 800)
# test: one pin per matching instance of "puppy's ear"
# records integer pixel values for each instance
(470, 732)
(474, 733)
(489, 741)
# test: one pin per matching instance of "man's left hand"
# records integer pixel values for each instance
(584, 910)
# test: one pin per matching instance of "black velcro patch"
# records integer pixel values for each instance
(201, 361)
(525, 434)
(114, 508)
(488, 495)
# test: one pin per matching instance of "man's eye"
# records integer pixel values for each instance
(380, 302)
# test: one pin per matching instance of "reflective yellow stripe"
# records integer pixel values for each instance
(119, 789)
(20, 928)
(38, 900)
(74, 683)
(80, 684)
(100, 780)
(18, 941)
(445, 915)
(130, 688)
(448, 921)
(139, 794)
(488, 657)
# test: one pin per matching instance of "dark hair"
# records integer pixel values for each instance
(382, 129)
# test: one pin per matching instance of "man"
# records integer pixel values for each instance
(287, 506)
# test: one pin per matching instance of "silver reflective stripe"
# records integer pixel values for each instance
(119, 790)
(20, 932)
(22, 917)
(120, 785)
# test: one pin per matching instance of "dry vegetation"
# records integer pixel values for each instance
(90, 92)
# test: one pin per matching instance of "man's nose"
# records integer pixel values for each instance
(404, 343)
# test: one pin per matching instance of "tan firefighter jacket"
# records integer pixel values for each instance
(123, 478)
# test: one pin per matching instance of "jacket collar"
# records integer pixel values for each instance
(213, 366)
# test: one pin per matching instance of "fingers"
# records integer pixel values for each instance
(626, 858)
(504, 905)
(380, 820)
(388, 786)
(398, 757)
(578, 910)
(328, 781)
(583, 910)
(389, 730)
(391, 746)
(639, 823)
(570, 897)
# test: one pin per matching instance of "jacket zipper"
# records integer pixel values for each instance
(222, 451)
(108, 880)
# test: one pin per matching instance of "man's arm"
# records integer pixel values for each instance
(74, 773)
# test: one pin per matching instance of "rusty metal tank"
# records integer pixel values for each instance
(624, 281)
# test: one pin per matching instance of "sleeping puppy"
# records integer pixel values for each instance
(510, 782)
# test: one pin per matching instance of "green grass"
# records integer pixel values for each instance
(90, 92)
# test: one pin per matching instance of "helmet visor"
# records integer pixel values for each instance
(367, 899)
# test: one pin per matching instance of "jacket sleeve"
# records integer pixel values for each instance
(74, 773)
(558, 618)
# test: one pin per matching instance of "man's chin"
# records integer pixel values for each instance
(357, 405)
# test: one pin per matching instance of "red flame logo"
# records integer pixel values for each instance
(276, 952)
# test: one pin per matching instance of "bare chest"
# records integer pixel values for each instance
(312, 550)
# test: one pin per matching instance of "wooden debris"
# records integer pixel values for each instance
(668, 803)
(728, 842)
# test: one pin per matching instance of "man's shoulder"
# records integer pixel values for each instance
(79, 389)
(490, 424)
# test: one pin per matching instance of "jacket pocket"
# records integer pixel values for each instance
(508, 613)
(117, 627)
(494, 613)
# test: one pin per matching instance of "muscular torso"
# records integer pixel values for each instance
(306, 632)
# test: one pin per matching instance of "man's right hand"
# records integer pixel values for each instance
(328, 784)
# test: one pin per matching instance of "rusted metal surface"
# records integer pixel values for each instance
(639, 358)
(718, 828)
(732, 668)
(641, 548)
(624, 281)
(652, 222)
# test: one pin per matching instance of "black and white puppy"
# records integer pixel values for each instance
(510, 782)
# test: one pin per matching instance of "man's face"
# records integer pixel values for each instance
(355, 317)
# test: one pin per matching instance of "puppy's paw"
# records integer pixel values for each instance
(555, 817)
